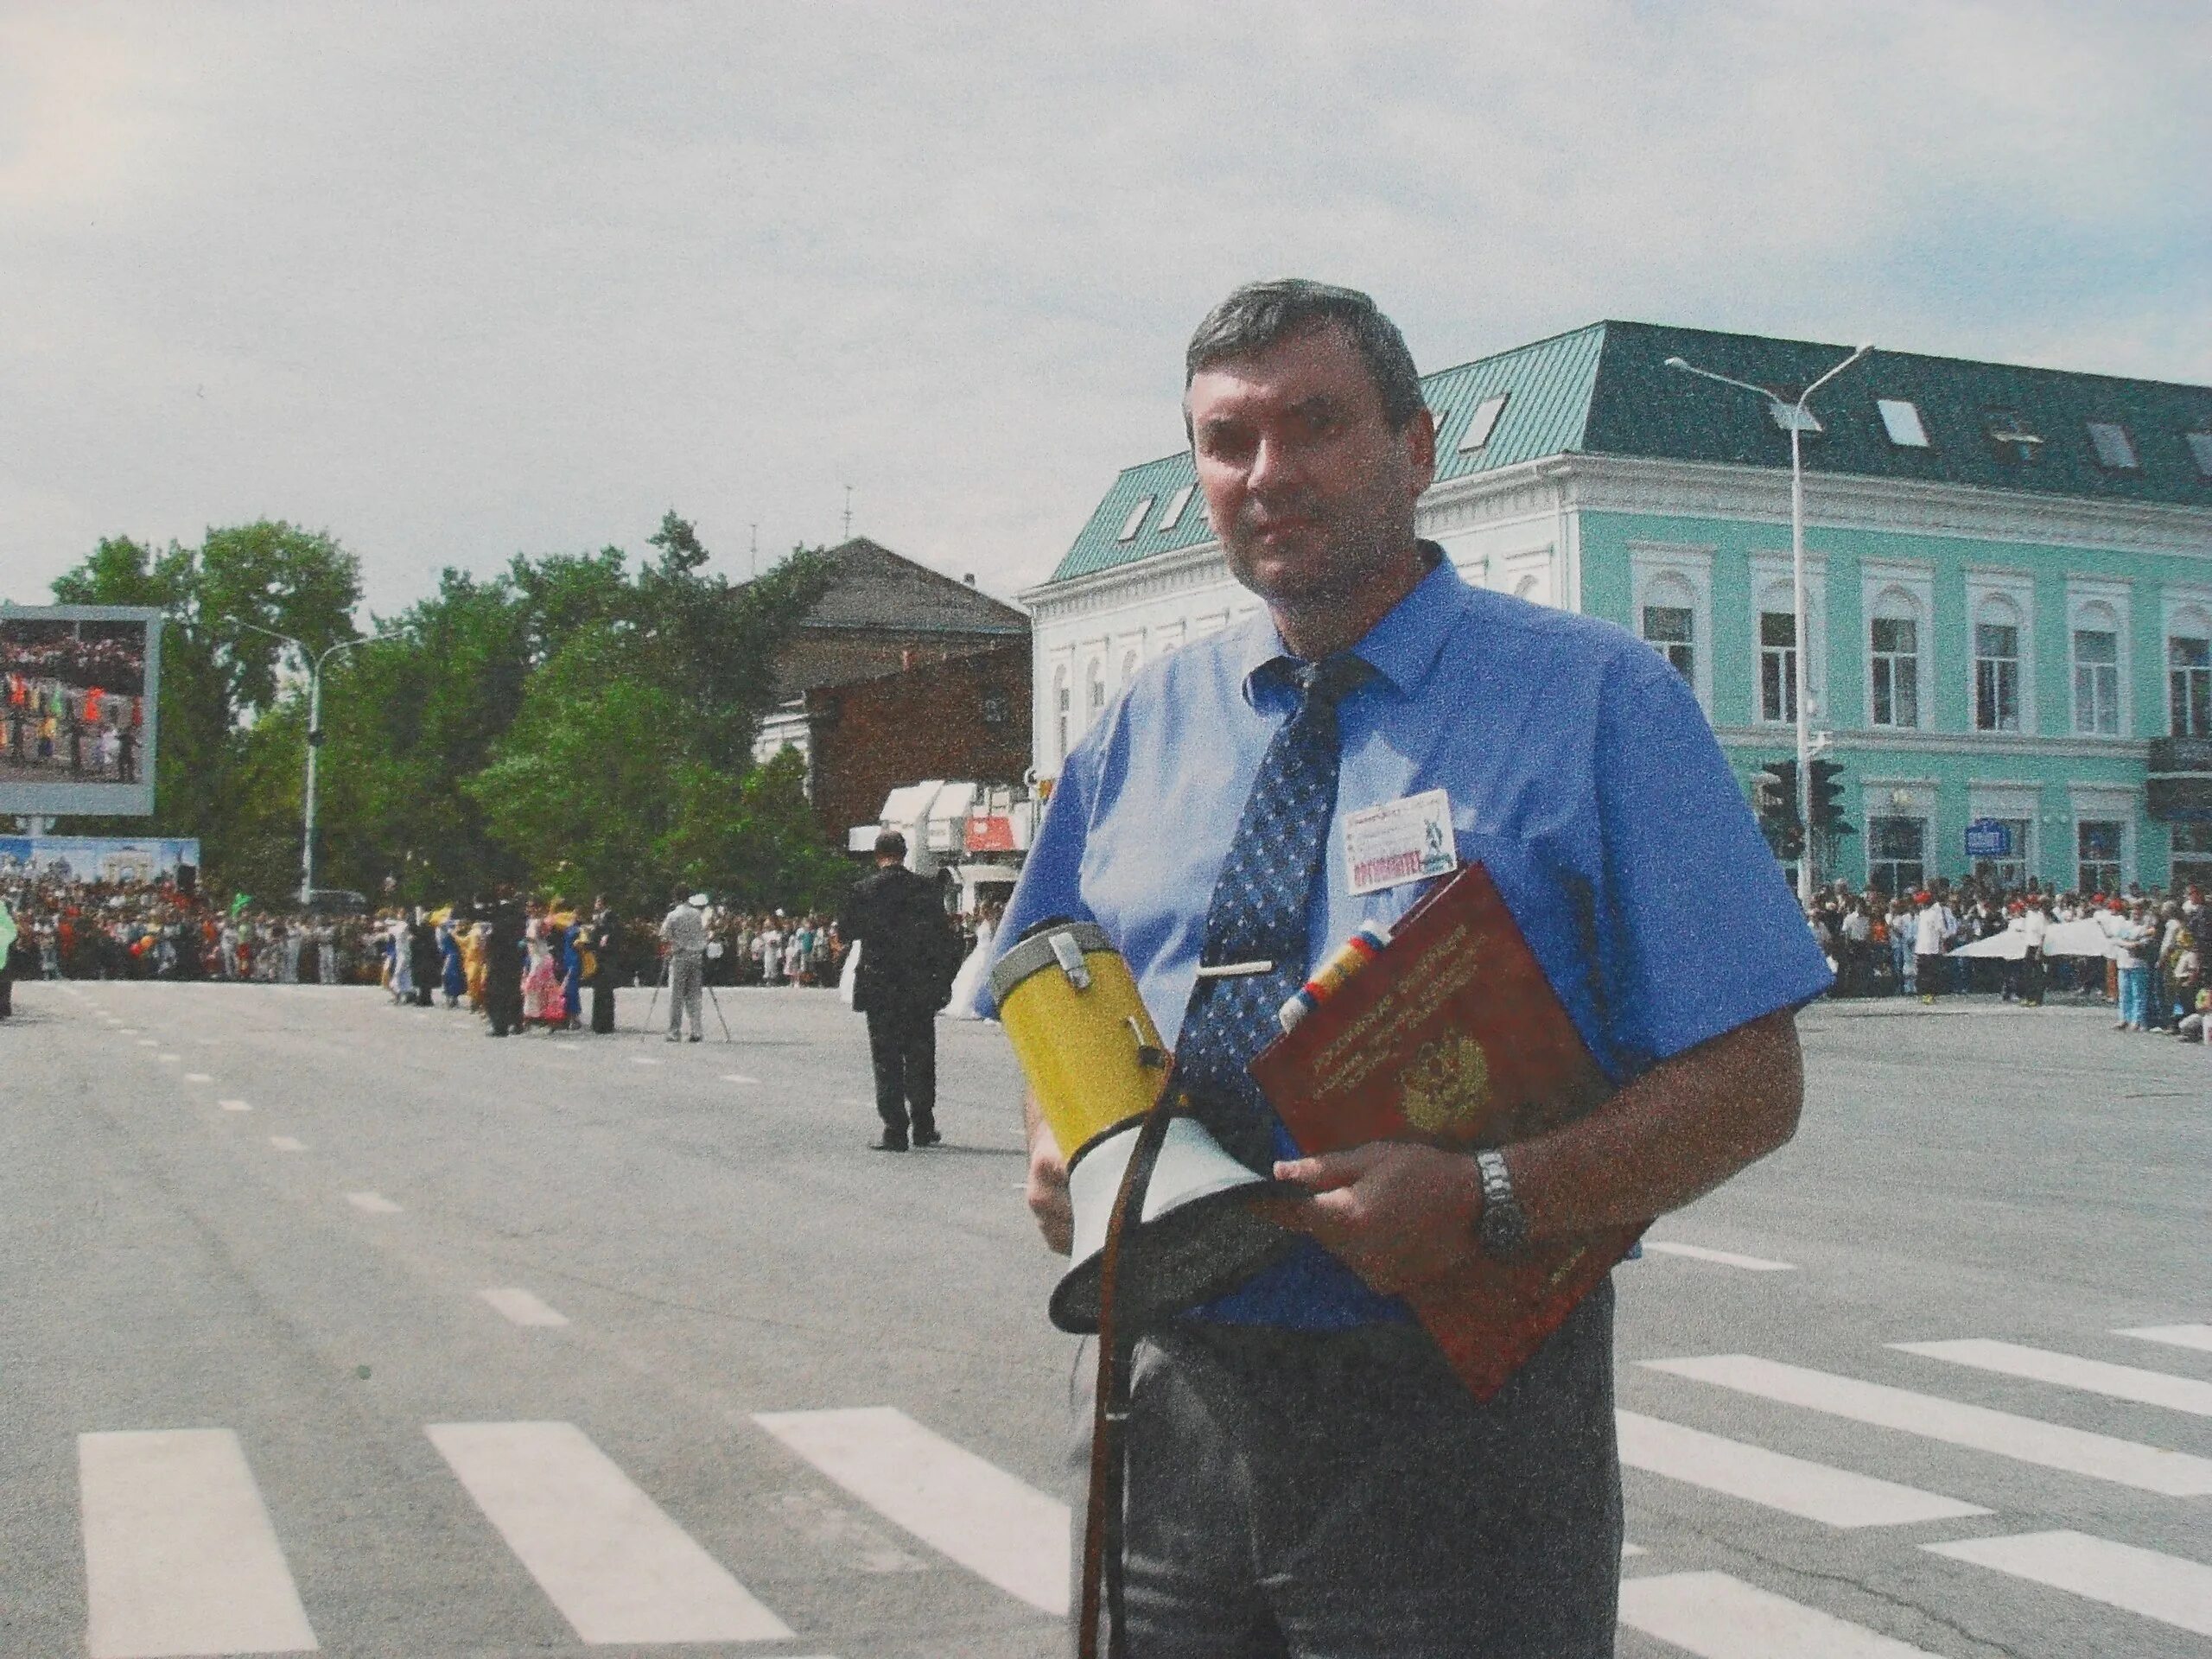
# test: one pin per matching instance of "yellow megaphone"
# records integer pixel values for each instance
(1095, 1063)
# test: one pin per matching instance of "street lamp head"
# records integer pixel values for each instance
(1676, 363)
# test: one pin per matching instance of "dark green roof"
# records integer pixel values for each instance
(1605, 390)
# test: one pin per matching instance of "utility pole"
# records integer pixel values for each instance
(849, 513)
(1797, 414)
(756, 552)
(314, 734)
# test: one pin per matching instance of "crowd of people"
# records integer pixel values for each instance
(2145, 957)
(2141, 952)
(70, 708)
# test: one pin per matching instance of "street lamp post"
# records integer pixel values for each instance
(314, 733)
(1797, 413)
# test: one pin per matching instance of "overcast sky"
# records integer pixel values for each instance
(454, 282)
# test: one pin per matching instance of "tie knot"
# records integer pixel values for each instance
(1324, 684)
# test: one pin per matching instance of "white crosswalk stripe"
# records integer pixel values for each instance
(999, 1527)
(2162, 1587)
(1717, 1617)
(604, 1553)
(2026, 1440)
(1836, 1497)
(1722, 1258)
(2198, 1337)
(179, 1555)
(2068, 1371)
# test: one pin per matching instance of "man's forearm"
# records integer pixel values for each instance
(1673, 1135)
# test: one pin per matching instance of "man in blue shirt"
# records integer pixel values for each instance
(1306, 1475)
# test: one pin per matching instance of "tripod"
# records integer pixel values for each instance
(662, 984)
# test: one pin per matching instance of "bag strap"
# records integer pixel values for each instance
(1110, 1410)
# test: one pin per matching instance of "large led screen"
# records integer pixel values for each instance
(76, 701)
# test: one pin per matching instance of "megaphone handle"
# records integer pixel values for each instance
(1110, 1407)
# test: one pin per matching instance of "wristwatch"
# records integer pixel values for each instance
(1502, 1227)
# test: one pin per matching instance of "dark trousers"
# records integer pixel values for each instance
(503, 1002)
(1313, 1495)
(602, 1009)
(7, 994)
(902, 1043)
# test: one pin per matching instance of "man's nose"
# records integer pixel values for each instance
(1275, 464)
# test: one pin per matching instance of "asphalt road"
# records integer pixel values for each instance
(328, 1323)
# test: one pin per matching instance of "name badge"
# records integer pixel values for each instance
(1406, 840)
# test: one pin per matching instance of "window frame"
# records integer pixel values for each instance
(1883, 407)
(1482, 424)
(2113, 446)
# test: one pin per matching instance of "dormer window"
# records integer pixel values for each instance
(1176, 503)
(2014, 440)
(1787, 415)
(1901, 420)
(1482, 423)
(1135, 520)
(2116, 450)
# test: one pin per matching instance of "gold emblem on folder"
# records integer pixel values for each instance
(1447, 1085)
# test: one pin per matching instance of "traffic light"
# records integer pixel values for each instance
(1828, 799)
(1775, 793)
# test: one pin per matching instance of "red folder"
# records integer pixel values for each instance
(1453, 1036)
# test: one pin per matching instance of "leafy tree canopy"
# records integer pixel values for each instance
(578, 721)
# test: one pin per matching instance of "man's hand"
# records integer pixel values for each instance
(1047, 1194)
(1395, 1213)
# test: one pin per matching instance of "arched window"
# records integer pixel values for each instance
(1997, 665)
(2189, 672)
(1059, 714)
(1777, 655)
(1893, 658)
(1094, 693)
(2096, 670)
(1669, 621)
(1128, 668)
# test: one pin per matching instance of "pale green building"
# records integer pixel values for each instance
(2009, 595)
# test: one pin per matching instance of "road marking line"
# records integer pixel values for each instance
(2026, 1440)
(197, 1077)
(738, 1077)
(2067, 1371)
(1000, 1529)
(1836, 1497)
(522, 1307)
(1628, 1550)
(148, 1042)
(285, 1143)
(208, 1042)
(234, 1105)
(603, 1552)
(1725, 1258)
(126, 1031)
(1716, 1617)
(374, 1204)
(2164, 1587)
(180, 1556)
(168, 1057)
(643, 1059)
(2174, 1336)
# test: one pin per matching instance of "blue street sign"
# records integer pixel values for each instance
(1989, 838)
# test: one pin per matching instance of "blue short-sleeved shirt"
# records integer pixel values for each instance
(1580, 773)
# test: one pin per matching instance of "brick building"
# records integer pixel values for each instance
(882, 613)
(900, 674)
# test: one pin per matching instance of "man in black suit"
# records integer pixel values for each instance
(908, 956)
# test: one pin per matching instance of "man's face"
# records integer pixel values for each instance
(1309, 489)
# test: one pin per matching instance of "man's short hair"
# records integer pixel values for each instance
(889, 843)
(1260, 315)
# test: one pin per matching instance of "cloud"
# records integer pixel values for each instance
(459, 282)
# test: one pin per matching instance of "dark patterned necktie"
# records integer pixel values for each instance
(1258, 913)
